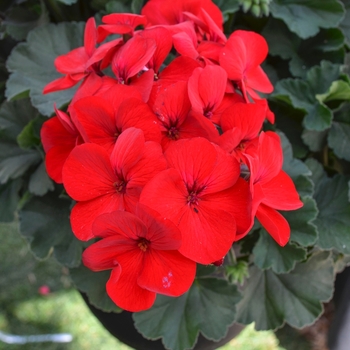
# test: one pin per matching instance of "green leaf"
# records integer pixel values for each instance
(15, 115)
(68, 2)
(27, 138)
(40, 183)
(345, 24)
(305, 18)
(339, 90)
(14, 161)
(339, 139)
(44, 221)
(328, 44)
(208, 307)
(93, 284)
(268, 254)
(294, 167)
(302, 94)
(333, 221)
(296, 297)
(227, 6)
(303, 230)
(19, 21)
(315, 140)
(9, 199)
(32, 67)
(288, 121)
(136, 6)
(317, 172)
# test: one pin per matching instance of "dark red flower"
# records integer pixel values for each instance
(241, 57)
(102, 182)
(272, 188)
(142, 251)
(201, 176)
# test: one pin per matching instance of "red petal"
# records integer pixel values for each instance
(90, 36)
(88, 173)
(280, 193)
(96, 117)
(63, 83)
(203, 239)
(132, 57)
(121, 225)
(123, 289)
(274, 223)
(72, 62)
(207, 97)
(84, 213)
(167, 272)
(162, 233)
(103, 254)
(135, 113)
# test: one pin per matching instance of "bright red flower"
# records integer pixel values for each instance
(142, 251)
(206, 97)
(173, 109)
(272, 188)
(102, 182)
(119, 23)
(59, 136)
(241, 124)
(241, 58)
(80, 62)
(172, 12)
(132, 57)
(201, 176)
(103, 121)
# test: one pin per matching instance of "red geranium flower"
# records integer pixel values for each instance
(142, 251)
(272, 188)
(102, 182)
(198, 193)
(241, 58)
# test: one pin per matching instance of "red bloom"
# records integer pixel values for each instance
(142, 251)
(132, 57)
(190, 194)
(119, 23)
(103, 121)
(59, 136)
(80, 62)
(272, 188)
(173, 110)
(241, 58)
(102, 182)
(206, 97)
(172, 12)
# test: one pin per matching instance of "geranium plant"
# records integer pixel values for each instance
(182, 155)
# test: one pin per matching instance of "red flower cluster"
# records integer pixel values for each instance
(168, 165)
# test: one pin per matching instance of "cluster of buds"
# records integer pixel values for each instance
(168, 164)
(257, 7)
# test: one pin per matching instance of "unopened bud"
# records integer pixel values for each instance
(255, 10)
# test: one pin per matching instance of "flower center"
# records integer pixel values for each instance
(192, 198)
(120, 187)
(173, 133)
(143, 244)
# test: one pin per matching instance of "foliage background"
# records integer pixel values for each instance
(308, 64)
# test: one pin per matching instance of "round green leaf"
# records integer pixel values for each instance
(44, 221)
(268, 254)
(333, 221)
(296, 297)
(93, 284)
(208, 307)
(305, 18)
(31, 64)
